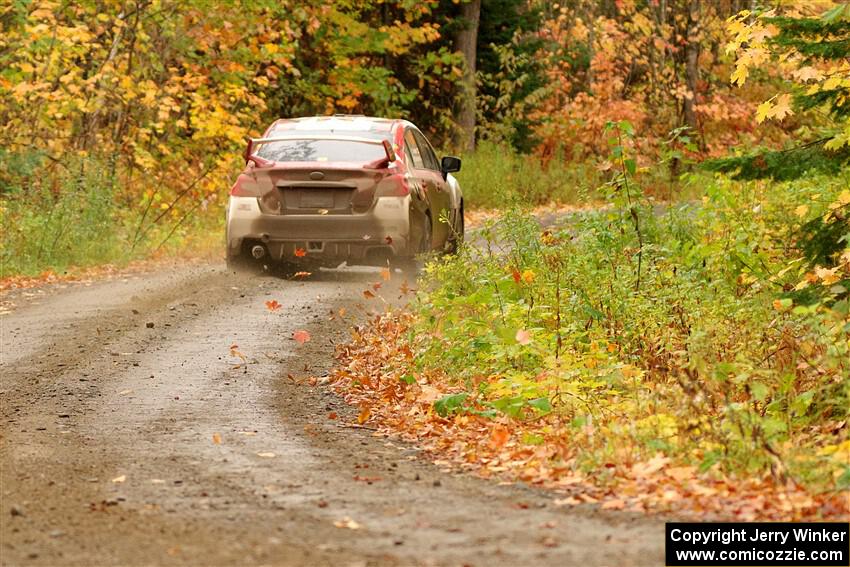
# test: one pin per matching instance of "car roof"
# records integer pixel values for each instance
(336, 123)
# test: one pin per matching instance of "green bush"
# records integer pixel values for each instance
(707, 334)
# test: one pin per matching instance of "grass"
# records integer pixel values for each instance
(495, 176)
(84, 219)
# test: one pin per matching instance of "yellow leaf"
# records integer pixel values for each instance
(801, 210)
(782, 107)
(763, 111)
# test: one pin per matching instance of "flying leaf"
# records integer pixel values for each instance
(302, 274)
(301, 336)
(386, 274)
(300, 252)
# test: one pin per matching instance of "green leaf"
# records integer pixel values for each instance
(541, 404)
(450, 404)
(631, 166)
(759, 391)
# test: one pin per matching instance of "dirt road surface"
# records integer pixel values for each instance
(115, 393)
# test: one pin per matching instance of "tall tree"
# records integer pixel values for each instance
(466, 43)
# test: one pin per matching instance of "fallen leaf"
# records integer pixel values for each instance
(347, 523)
(273, 305)
(300, 252)
(499, 436)
(266, 454)
(365, 413)
(301, 337)
(368, 294)
(119, 479)
(386, 274)
(388, 239)
(377, 285)
(615, 504)
(323, 211)
(303, 274)
(216, 438)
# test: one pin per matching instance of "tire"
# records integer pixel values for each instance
(456, 238)
(412, 266)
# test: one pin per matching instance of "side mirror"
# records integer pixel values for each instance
(449, 164)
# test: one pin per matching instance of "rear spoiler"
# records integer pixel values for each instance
(388, 147)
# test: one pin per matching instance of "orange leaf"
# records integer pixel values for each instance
(499, 436)
(301, 337)
(216, 438)
(616, 504)
(273, 305)
(303, 274)
(300, 252)
(377, 285)
(516, 275)
(386, 274)
(368, 294)
(365, 413)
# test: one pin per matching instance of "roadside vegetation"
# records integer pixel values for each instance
(692, 356)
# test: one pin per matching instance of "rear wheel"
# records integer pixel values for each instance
(412, 266)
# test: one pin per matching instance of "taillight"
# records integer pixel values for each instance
(244, 187)
(400, 184)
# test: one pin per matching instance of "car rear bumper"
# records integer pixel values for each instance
(372, 237)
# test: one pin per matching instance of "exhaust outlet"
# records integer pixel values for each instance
(258, 251)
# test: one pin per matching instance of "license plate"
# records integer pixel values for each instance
(317, 200)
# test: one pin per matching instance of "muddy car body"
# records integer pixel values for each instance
(326, 190)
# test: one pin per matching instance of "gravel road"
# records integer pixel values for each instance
(132, 436)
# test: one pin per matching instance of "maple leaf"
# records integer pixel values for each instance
(273, 305)
(782, 108)
(386, 274)
(388, 239)
(377, 285)
(216, 439)
(301, 336)
(303, 274)
(300, 252)
(368, 294)
(763, 111)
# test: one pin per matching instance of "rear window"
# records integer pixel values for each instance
(321, 150)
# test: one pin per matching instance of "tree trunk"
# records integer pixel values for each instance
(692, 66)
(466, 41)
